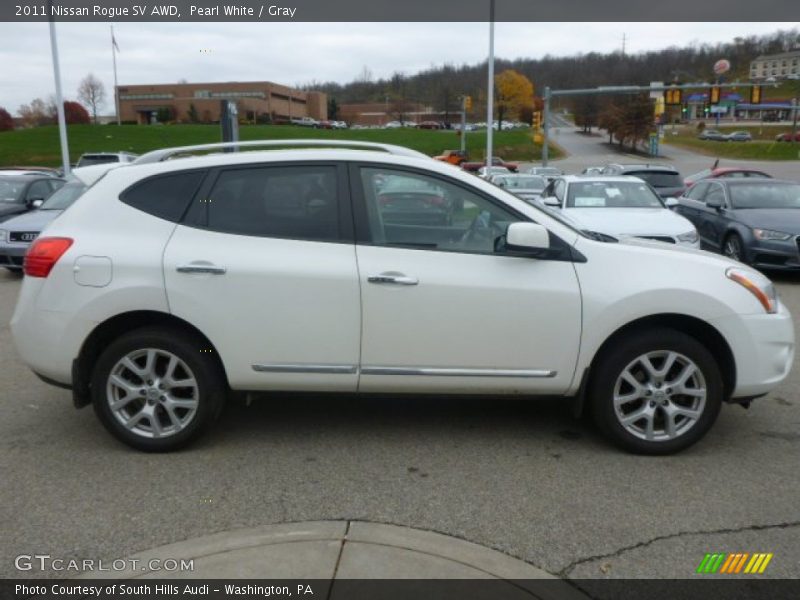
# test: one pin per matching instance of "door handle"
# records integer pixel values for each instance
(201, 268)
(394, 279)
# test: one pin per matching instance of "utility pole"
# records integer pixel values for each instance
(62, 122)
(546, 127)
(114, 57)
(794, 121)
(463, 124)
(623, 43)
(490, 89)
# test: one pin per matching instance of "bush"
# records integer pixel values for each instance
(75, 113)
(6, 121)
(701, 126)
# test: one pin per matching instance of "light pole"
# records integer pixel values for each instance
(62, 122)
(490, 89)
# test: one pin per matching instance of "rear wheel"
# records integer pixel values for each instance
(656, 392)
(157, 390)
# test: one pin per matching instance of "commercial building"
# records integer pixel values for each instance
(785, 65)
(257, 101)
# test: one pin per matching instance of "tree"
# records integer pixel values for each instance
(36, 113)
(6, 121)
(192, 114)
(585, 109)
(514, 92)
(75, 113)
(333, 109)
(92, 93)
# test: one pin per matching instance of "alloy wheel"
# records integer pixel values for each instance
(660, 396)
(152, 393)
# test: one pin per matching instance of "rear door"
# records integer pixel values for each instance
(264, 265)
(691, 206)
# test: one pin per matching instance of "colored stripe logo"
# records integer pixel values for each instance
(734, 563)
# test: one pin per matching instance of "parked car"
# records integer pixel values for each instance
(619, 206)
(712, 135)
(754, 221)
(170, 282)
(98, 158)
(430, 125)
(496, 162)
(549, 173)
(21, 193)
(488, 172)
(787, 137)
(305, 122)
(17, 233)
(739, 136)
(663, 178)
(526, 187)
(592, 171)
(12, 170)
(409, 201)
(726, 172)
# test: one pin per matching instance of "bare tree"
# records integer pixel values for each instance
(92, 93)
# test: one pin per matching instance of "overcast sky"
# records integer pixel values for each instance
(297, 53)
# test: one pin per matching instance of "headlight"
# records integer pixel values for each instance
(689, 237)
(758, 285)
(769, 234)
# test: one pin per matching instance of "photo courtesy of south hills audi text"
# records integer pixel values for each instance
(127, 590)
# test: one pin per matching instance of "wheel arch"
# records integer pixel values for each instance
(107, 331)
(702, 331)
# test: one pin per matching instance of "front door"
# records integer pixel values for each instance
(442, 311)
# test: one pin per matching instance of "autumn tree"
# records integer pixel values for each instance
(75, 113)
(36, 113)
(6, 121)
(585, 109)
(92, 93)
(513, 94)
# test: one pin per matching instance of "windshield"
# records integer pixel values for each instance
(64, 196)
(11, 191)
(97, 159)
(612, 194)
(526, 183)
(765, 195)
(659, 179)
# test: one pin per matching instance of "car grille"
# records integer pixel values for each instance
(22, 236)
(658, 238)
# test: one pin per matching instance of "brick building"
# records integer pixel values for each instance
(256, 100)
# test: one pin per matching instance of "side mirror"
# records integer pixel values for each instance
(35, 202)
(671, 202)
(552, 201)
(714, 203)
(525, 237)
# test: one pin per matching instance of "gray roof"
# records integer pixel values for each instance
(791, 54)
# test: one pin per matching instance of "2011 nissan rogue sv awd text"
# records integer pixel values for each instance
(356, 267)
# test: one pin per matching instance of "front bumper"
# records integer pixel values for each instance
(763, 347)
(774, 254)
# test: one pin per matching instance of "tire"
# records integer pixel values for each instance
(733, 248)
(657, 395)
(160, 419)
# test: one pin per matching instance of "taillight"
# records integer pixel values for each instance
(43, 255)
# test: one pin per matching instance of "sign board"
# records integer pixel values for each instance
(656, 95)
(721, 110)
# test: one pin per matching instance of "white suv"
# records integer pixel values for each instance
(171, 282)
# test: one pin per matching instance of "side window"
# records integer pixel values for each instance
(698, 191)
(296, 202)
(715, 192)
(164, 196)
(39, 189)
(558, 190)
(418, 211)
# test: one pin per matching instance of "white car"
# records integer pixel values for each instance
(620, 206)
(171, 282)
(488, 172)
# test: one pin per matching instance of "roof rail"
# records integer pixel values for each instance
(166, 153)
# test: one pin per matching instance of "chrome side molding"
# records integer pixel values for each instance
(302, 368)
(456, 372)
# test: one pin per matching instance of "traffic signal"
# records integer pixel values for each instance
(537, 119)
(755, 94)
(714, 95)
(673, 96)
(467, 103)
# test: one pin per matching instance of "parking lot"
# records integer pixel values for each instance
(519, 476)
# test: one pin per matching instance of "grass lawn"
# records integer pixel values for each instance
(763, 146)
(40, 145)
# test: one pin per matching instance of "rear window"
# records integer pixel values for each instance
(659, 179)
(164, 196)
(97, 159)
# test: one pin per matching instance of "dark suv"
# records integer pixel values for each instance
(666, 180)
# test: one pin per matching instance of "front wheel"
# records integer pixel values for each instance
(156, 390)
(656, 392)
(733, 248)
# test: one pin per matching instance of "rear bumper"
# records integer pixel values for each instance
(763, 348)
